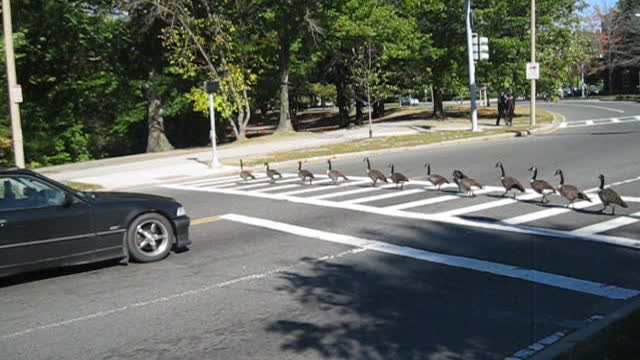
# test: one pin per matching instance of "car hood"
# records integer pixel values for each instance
(104, 195)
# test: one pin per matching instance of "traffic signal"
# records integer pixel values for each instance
(480, 48)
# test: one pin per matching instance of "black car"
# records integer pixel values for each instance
(45, 224)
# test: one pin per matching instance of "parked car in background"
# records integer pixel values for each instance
(410, 101)
(44, 223)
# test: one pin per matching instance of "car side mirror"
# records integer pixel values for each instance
(68, 199)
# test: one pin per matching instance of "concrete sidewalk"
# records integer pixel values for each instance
(154, 168)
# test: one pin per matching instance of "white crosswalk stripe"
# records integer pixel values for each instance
(340, 185)
(351, 192)
(549, 212)
(397, 193)
(439, 199)
(490, 205)
(608, 225)
(276, 188)
(266, 183)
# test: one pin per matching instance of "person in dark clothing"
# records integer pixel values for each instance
(510, 109)
(502, 106)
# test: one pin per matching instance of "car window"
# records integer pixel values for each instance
(23, 192)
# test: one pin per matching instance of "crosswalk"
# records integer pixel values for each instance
(601, 121)
(420, 200)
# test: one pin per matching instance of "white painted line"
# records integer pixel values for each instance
(392, 194)
(615, 120)
(490, 205)
(231, 182)
(606, 108)
(589, 122)
(439, 199)
(630, 198)
(351, 192)
(537, 215)
(268, 183)
(531, 275)
(637, 117)
(213, 180)
(608, 225)
(423, 202)
(339, 185)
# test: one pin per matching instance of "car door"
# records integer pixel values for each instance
(40, 226)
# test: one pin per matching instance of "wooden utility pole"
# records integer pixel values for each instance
(14, 108)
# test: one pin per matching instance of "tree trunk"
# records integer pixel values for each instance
(438, 108)
(156, 140)
(359, 108)
(284, 124)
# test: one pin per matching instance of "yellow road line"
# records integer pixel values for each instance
(204, 220)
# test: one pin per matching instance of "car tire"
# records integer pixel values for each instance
(149, 238)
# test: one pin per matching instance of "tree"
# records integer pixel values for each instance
(376, 52)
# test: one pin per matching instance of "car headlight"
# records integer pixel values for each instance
(181, 211)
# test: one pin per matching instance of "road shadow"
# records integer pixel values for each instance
(38, 275)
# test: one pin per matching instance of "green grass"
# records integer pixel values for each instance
(379, 143)
(618, 341)
(82, 186)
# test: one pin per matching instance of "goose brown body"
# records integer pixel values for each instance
(245, 174)
(570, 192)
(541, 186)
(509, 183)
(609, 197)
(375, 175)
(398, 178)
(304, 174)
(272, 174)
(334, 175)
(435, 179)
(465, 183)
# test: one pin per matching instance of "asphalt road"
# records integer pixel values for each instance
(302, 272)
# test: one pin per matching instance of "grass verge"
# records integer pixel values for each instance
(619, 341)
(82, 186)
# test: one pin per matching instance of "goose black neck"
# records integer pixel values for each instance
(561, 178)
(502, 169)
(299, 166)
(428, 169)
(602, 183)
(535, 173)
(392, 169)
(368, 164)
(267, 167)
(329, 161)
(241, 165)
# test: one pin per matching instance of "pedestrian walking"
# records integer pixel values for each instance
(502, 105)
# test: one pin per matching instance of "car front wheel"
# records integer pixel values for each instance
(149, 238)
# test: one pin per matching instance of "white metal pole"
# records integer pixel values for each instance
(532, 115)
(369, 107)
(14, 109)
(212, 117)
(472, 71)
(584, 86)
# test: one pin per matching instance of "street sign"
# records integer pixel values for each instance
(533, 71)
(16, 94)
(211, 87)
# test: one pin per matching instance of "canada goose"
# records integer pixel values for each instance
(570, 192)
(509, 183)
(272, 173)
(398, 178)
(465, 183)
(334, 175)
(435, 179)
(245, 174)
(541, 186)
(610, 197)
(304, 174)
(374, 174)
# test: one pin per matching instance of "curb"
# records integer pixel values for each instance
(570, 341)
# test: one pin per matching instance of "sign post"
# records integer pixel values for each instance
(532, 119)
(210, 87)
(472, 70)
(14, 94)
